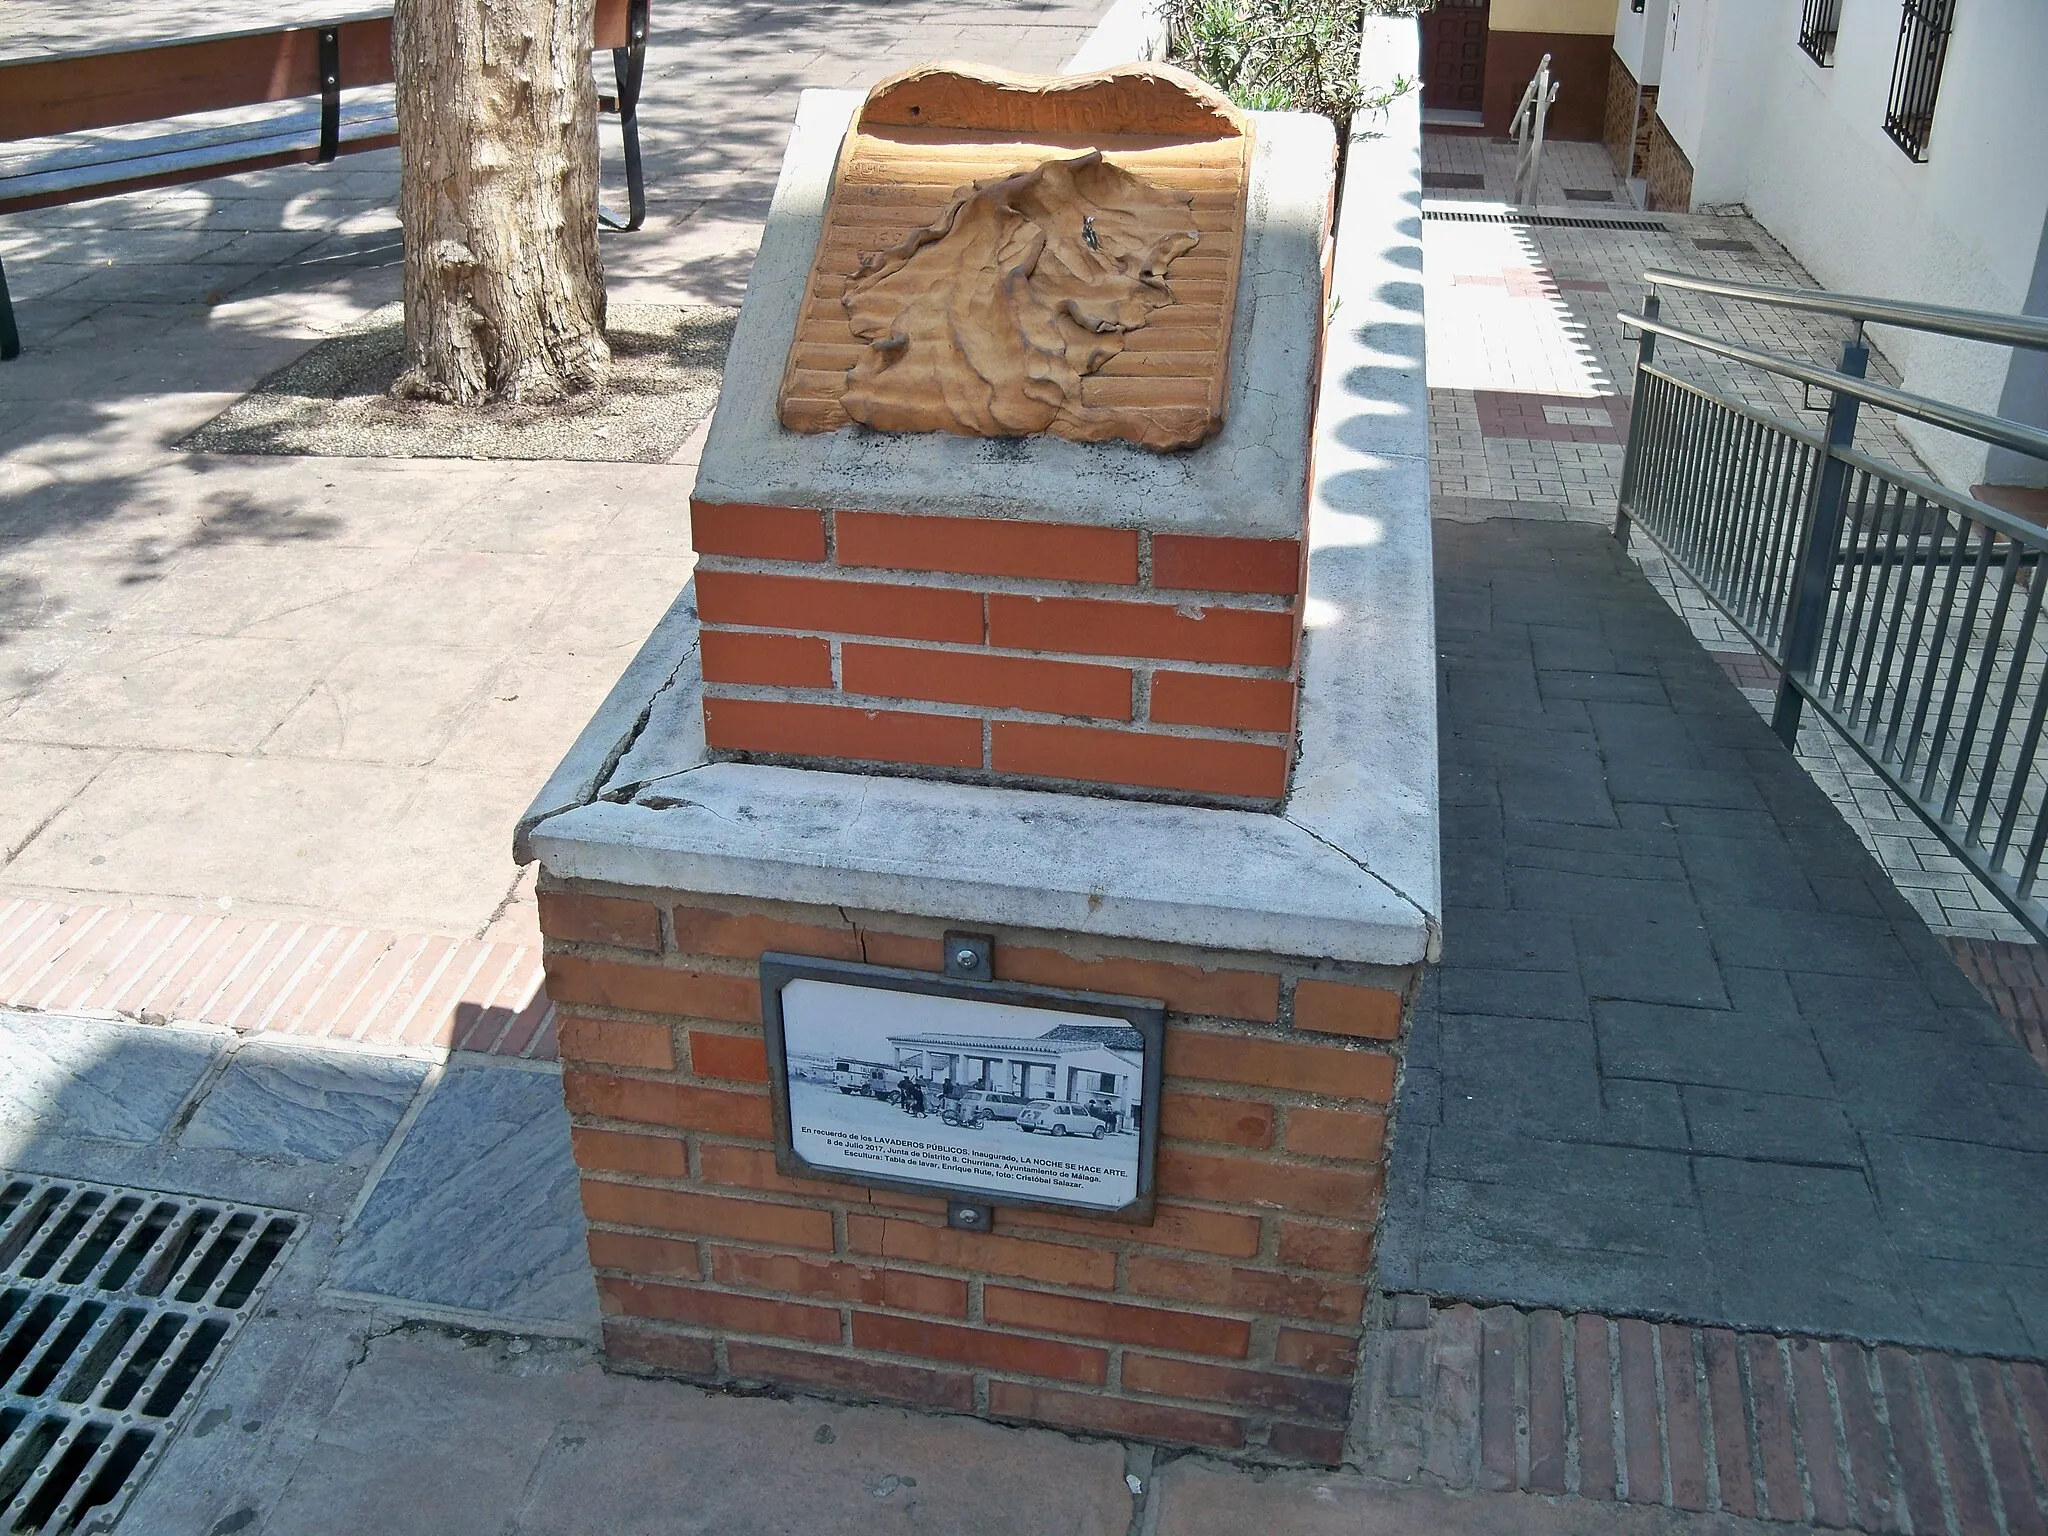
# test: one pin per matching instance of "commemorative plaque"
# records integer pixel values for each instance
(979, 1091)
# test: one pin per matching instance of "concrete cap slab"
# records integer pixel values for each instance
(1347, 870)
(1019, 858)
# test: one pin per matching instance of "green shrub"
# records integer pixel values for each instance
(1281, 55)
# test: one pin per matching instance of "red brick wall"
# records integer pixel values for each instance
(1578, 63)
(1666, 169)
(1630, 111)
(1230, 1322)
(1001, 652)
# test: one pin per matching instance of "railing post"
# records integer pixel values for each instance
(1646, 351)
(1815, 576)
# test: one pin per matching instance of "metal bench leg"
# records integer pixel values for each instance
(10, 338)
(628, 64)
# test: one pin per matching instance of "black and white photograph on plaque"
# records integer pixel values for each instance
(992, 1099)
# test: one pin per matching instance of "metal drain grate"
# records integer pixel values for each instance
(1545, 220)
(114, 1306)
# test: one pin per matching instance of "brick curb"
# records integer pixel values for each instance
(1825, 1432)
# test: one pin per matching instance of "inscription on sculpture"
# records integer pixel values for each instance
(986, 321)
(1009, 256)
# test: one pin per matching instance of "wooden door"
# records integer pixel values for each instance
(1454, 55)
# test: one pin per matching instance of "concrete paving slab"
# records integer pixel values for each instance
(1736, 1103)
(385, 704)
(465, 598)
(478, 1210)
(250, 1432)
(192, 695)
(605, 601)
(432, 869)
(245, 582)
(282, 1101)
(435, 1435)
(43, 779)
(518, 727)
(201, 827)
(64, 1077)
(109, 534)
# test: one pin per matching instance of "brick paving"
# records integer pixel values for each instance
(1689, 1053)
(1523, 416)
(328, 982)
(2014, 980)
(1807, 1431)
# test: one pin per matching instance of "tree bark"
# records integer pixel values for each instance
(497, 148)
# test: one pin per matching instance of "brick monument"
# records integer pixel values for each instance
(1147, 720)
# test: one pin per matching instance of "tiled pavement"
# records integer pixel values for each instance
(1689, 1054)
(1540, 1090)
(1579, 177)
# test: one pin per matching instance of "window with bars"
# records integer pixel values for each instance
(1916, 73)
(1817, 25)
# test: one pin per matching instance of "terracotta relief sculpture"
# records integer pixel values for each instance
(986, 321)
(1084, 290)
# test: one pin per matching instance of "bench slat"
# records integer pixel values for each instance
(176, 164)
(52, 96)
(43, 97)
(118, 152)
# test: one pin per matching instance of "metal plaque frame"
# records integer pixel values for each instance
(1144, 1015)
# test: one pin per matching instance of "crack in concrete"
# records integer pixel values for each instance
(624, 746)
(9, 855)
(1430, 923)
(596, 789)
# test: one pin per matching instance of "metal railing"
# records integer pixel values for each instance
(1906, 615)
(1819, 22)
(1538, 97)
(1924, 27)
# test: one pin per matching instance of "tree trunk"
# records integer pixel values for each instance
(497, 147)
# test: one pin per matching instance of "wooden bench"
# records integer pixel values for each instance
(153, 82)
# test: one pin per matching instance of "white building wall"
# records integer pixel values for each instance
(1711, 90)
(1639, 37)
(1805, 148)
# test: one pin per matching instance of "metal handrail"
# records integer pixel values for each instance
(1537, 100)
(1973, 324)
(2032, 441)
(1909, 618)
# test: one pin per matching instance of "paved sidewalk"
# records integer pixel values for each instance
(1479, 168)
(1689, 1054)
(323, 689)
(1529, 375)
(422, 1360)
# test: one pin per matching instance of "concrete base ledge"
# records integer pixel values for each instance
(1169, 874)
